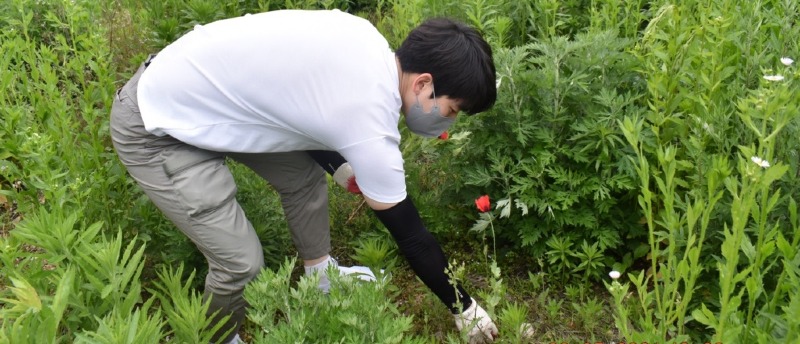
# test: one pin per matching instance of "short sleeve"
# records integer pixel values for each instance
(378, 167)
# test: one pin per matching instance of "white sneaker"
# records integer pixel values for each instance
(361, 272)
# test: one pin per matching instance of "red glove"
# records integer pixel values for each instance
(352, 186)
(345, 178)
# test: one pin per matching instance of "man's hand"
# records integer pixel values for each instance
(482, 328)
(345, 178)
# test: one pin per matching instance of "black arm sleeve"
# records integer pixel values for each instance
(329, 160)
(423, 253)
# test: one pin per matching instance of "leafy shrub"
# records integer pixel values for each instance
(552, 145)
(70, 281)
(353, 312)
(106, 273)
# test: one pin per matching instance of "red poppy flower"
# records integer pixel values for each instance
(444, 136)
(483, 203)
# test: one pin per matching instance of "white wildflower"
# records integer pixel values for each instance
(774, 77)
(786, 61)
(760, 162)
(614, 274)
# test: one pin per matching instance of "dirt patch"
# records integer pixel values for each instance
(9, 216)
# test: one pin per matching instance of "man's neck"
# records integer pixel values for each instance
(399, 75)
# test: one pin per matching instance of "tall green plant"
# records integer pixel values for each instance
(135, 326)
(697, 205)
(676, 234)
(184, 307)
(745, 312)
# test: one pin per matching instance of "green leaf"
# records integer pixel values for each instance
(773, 173)
(107, 290)
(705, 317)
(505, 207)
(641, 251)
(748, 248)
(742, 275)
(26, 299)
(480, 226)
(63, 292)
(785, 247)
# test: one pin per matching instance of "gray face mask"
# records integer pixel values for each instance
(430, 124)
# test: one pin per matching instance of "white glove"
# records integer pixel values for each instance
(483, 329)
(345, 177)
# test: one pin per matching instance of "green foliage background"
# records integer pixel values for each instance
(622, 138)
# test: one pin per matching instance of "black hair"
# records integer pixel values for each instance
(457, 57)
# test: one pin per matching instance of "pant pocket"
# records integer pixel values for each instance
(200, 179)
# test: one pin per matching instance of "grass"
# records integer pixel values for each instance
(579, 318)
(353, 222)
(703, 111)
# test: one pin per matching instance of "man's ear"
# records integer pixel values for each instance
(420, 81)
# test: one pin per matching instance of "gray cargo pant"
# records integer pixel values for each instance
(195, 190)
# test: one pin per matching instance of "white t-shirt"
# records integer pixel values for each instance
(283, 81)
